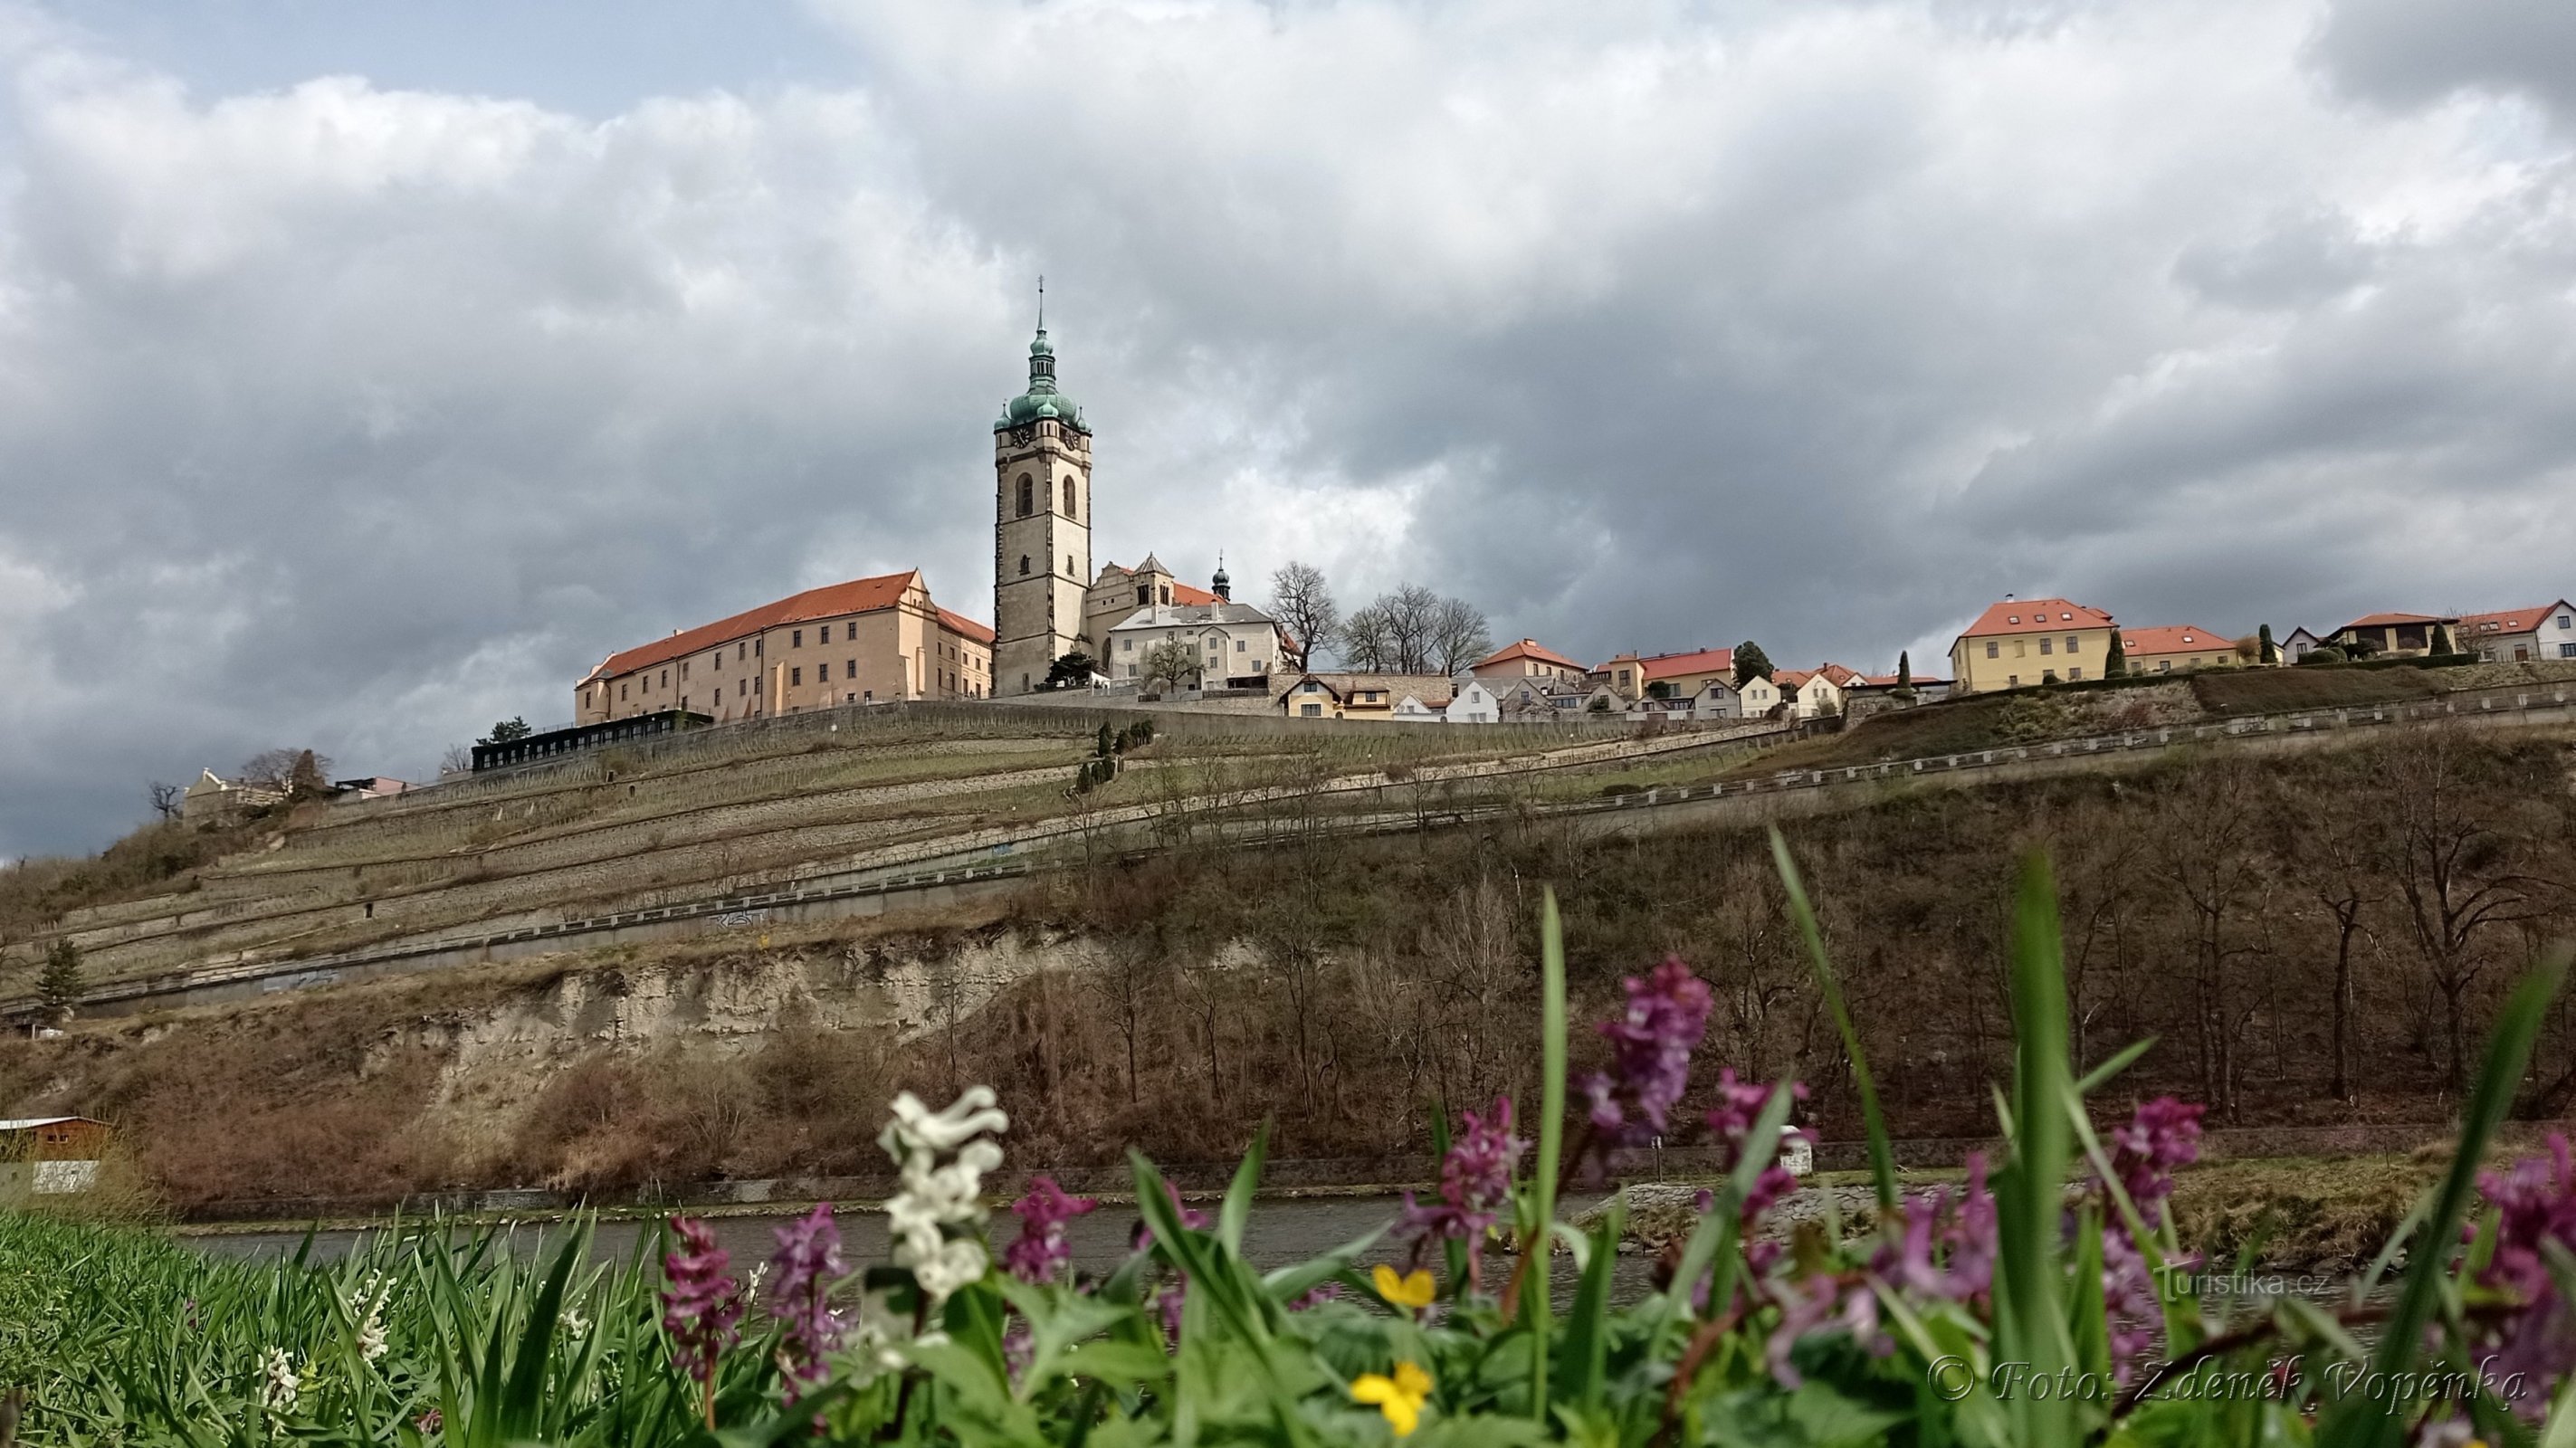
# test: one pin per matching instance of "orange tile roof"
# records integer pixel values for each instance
(2383, 620)
(958, 623)
(1183, 593)
(2512, 620)
(1528, 649)
(2172, 639)
(1699, 661)
(859, 595)
(1790, 680)
(2034, 615)
(1839, 674)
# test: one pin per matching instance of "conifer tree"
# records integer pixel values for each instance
(1750, 663)
(2117, 665)
(2271, 653)
(1904, 670)
(59, 986)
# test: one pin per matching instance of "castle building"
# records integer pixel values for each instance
(1041, 527)
(867, 641)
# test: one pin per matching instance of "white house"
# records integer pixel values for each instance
(1473, 703)
(1815, 693)
(1537, 698)
(2298, 644)
(1758, 696)
(2518, 635)
(1229, 640)
(1716, 699)
(1414, 709)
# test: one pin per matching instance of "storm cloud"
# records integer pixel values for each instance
(355, 412)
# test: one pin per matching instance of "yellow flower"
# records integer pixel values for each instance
(1399, 1397)
(1414, 1291)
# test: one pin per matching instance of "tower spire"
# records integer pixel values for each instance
(1042, 304)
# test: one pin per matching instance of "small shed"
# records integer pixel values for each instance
(43, 1155)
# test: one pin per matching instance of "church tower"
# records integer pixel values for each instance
(1041, 526)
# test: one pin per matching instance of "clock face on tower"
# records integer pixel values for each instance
(1024, 434)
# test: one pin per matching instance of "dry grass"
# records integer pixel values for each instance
(2265, 691)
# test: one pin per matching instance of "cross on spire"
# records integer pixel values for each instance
(1041, 301)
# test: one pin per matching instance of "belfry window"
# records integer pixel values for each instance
(1068, 497)
(1028, 495)
(1024, 565)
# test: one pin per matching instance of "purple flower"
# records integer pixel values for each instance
(1822, 1301)
(1040, 1251)
(1475, 1180)
(1650, 1050)
(1190, 1216)
(2161, 1135)
(1947, 1251)
(2535, 1203)
(808, 1265)
(701, 1304)
(1739, 1105)
(1321, 1293)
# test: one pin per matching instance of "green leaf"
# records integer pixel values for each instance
(2121, 1060)
(1587, 1339)
(1882, 1154)
(1551, 1141)
(2030, 1320)
(1237, 1207)
(2364, 1421)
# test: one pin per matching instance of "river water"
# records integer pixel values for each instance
(1280, 1232)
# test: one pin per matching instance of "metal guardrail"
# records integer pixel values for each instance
(750, 907)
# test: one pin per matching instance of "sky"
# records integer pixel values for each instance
(368, 372)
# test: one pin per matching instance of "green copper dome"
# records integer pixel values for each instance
(1041, 401)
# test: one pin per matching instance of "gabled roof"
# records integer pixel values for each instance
(1839, 674)
(859, 595)
(1183, 593)
(2181, 638)
(30, 1123)
(1190, 614)
(2384, 620)
(1698, 661)
(2512, 620)
(1791, 679)
(958, 623)
(2034, 616)
(1528, 649)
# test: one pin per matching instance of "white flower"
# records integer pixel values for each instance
(280, 1385)
(917, 1128)
(574, 1324)
(937, 1197)
(367, 1304)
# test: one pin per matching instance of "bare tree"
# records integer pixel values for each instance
(1302, 602)
(1459, 635)
(2458, 877)
(272, 769)
(1366, 641)
(2204, 846)
(1171, 663)
(1411, 615)
(457, 760)
(2329, 851)
(166, 799)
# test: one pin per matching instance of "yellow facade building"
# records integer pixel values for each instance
(2020, 642)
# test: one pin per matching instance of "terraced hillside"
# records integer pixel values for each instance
(711, 814)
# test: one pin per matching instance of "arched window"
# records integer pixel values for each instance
(1024, 565)
(1068, 567)
(1068, 497)
(1028, 496)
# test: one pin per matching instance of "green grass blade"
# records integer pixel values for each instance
(2030, 1318)
(1237, 1208)
(1551, 1145)
(1587, 1331)
(1882, 1155)
(2100, 1076)
(2363, 1421)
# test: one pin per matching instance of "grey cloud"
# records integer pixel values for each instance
(1644, 328)
(2407, 53)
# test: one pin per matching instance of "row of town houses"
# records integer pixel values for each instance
(2016, 643)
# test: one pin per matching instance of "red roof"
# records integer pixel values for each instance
(960, 624)
(1791, 680)
(1839, 674)
(2172, 639)
(1183, 593)
(1703, 661)
(1528, 649)
(2034, 615)
(2512, 620)
(2383, 620)
(859, 595)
